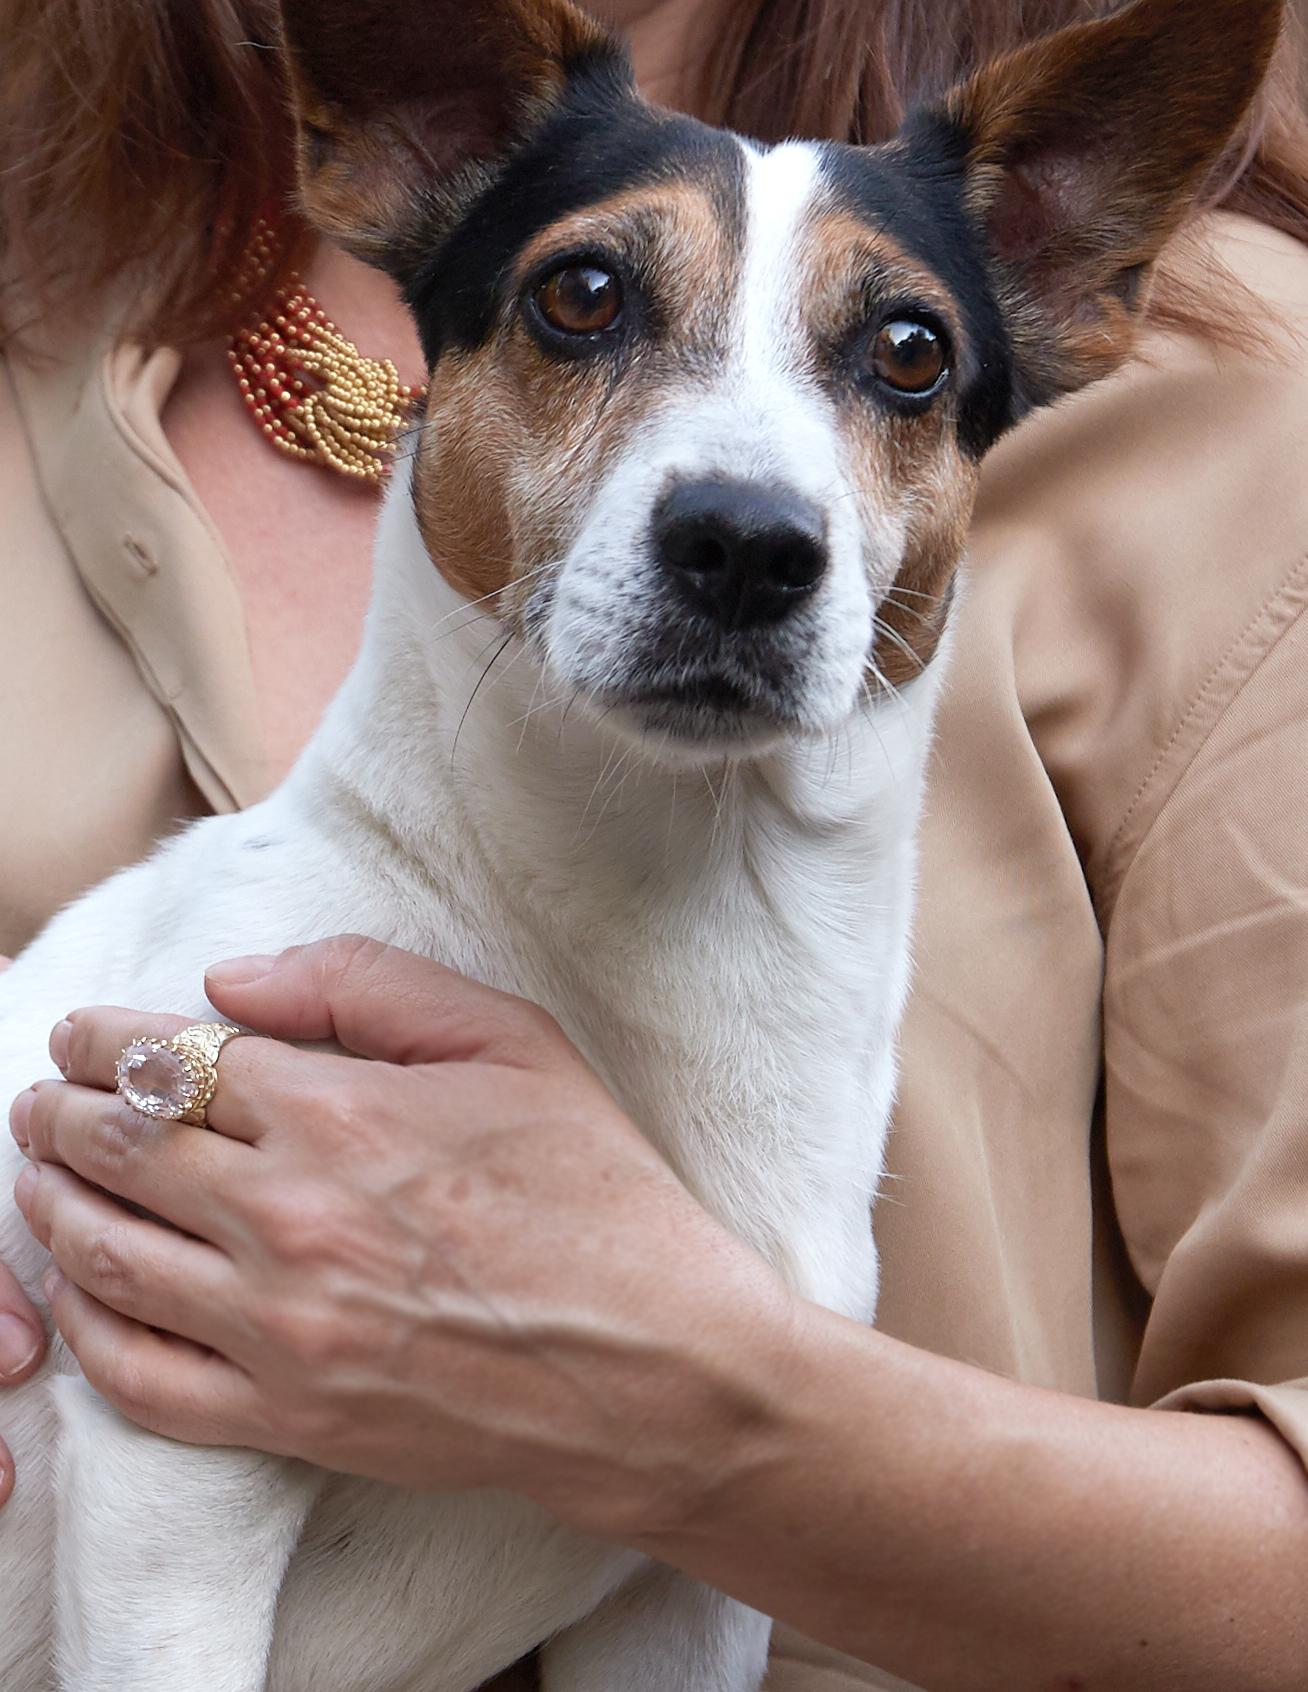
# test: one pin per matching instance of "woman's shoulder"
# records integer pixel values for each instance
(1146, 545)
(1213, 419)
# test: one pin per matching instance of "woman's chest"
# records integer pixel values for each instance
(300, 543)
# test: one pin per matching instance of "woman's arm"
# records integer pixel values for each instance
(968, 1533)
(462, 1266)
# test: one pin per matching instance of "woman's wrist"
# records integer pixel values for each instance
(782, 1404)
(723, 1412)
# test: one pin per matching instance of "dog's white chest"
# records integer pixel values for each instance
(731, 954)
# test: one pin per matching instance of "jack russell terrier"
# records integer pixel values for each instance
(690, 498)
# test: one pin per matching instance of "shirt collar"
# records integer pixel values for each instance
(147, 552)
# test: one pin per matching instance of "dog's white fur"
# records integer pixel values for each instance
(727, 944)
(763, 420)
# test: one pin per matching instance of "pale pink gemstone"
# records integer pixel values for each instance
(155, 1082)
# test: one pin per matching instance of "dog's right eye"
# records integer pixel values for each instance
(909, 357)
(580, 299)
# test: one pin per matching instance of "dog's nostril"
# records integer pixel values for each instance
(705, 555)
(797, 564)
(744, 553)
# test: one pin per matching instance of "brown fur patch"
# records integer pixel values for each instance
(848, 260)
(1088, 151)
(911, 466)
(397, 103)
(912, 615)
(519, 440)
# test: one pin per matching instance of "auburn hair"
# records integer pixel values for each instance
(141, 140)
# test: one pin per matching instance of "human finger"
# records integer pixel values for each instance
(22, 1336)
(22, 1346)
(132, 1264)
(157, 1380)
(381, 1002)
(176, 1172)
(87, 1044)
(252, 1072)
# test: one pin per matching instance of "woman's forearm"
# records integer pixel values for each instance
(969, 1534)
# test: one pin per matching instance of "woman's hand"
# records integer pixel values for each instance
(456, 1265)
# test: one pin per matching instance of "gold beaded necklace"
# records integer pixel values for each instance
(313, 393)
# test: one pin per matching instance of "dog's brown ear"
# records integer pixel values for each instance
(403, 110)
(1085, 152)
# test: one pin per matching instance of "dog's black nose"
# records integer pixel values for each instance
(740, 552)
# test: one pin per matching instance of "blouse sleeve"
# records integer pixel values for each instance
(1206, 1051)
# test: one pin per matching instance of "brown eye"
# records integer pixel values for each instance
(909, 356)
(580, 299)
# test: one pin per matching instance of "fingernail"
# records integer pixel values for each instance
(20, 1114)
(52, 1284)
(239, 972)
(25, 1186)
(59, 1045)
(18, 1346)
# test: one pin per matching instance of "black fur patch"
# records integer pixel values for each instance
(914, 194)
(602, 139)
(597, 142)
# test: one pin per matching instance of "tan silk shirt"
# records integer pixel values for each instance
(1100, 1166)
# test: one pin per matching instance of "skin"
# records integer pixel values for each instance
(959, 1530)
(359, 1283)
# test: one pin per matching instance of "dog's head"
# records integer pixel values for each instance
(706, 418)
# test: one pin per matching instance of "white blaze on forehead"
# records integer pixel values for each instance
(781, 185)
(757, 412)
(762, 415)
(776, 391)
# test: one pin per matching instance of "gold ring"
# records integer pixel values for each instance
(175, 1080)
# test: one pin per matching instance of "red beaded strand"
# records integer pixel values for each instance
(312, 392)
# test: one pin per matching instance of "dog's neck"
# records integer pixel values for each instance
(451, 738)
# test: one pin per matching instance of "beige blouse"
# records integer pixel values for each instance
(1100, 1166)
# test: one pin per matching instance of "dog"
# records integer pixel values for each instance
(689, 501)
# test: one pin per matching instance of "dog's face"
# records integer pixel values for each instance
(705, 424)
(709, 427)
(706, 418)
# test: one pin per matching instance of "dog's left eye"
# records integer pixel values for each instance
(910, 357)
(580, 299)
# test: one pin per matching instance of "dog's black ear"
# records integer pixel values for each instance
(1084, 153)
(403, 108)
